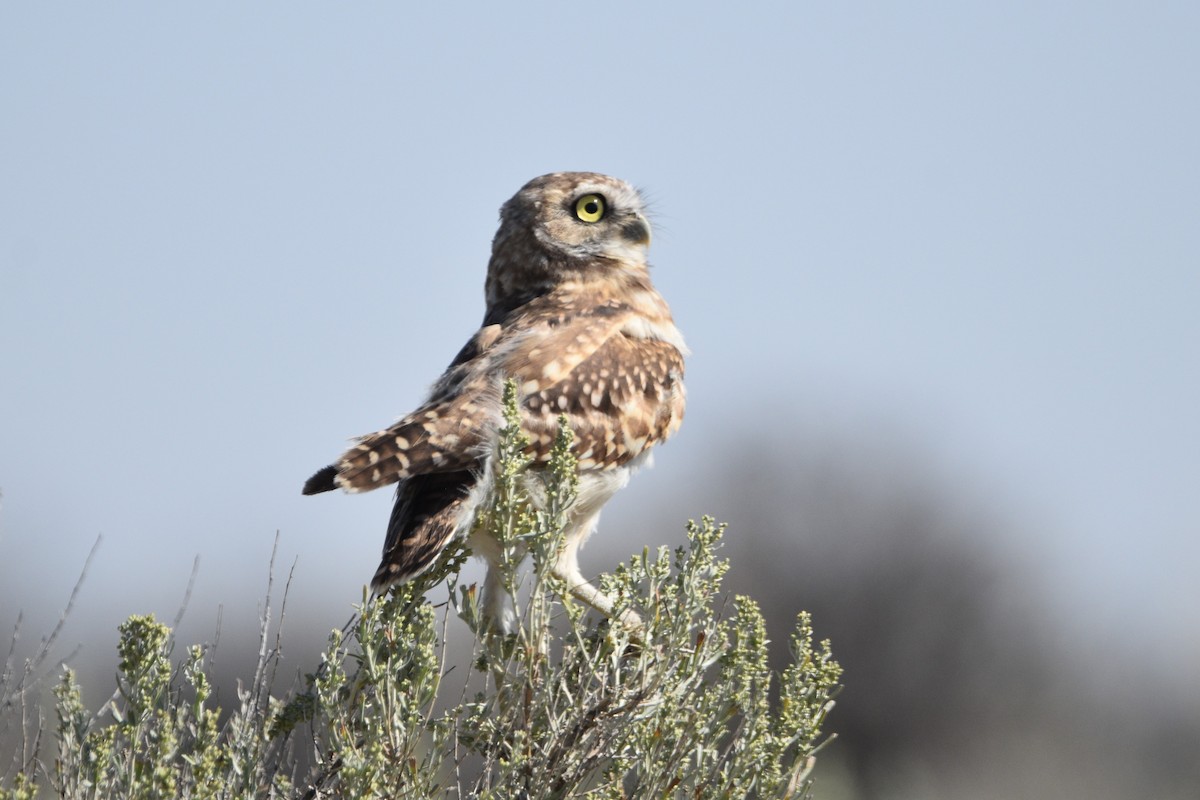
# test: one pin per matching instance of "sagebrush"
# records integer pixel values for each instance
(572, 705)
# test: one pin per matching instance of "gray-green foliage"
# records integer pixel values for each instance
(569, 706)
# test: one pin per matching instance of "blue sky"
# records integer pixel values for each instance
(232, 237)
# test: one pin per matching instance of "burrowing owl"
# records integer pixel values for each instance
(573, 318)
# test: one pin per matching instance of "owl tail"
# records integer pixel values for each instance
(430, 511)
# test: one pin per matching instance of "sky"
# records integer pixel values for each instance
(234, 236)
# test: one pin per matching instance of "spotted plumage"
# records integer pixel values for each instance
(573, 318)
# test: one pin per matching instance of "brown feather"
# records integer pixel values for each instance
(442, 437)
(622, 399)
(426, 515)
(323, 480)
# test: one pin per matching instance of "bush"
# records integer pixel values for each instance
(569, 706)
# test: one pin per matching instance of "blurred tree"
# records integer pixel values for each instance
(958, 684)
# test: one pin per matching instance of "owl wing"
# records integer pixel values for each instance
(621, 390)
(443, 435)
(621, 398)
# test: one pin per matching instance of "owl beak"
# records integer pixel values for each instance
(636, 230)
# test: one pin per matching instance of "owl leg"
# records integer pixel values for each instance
(566, 569)
(498, 608)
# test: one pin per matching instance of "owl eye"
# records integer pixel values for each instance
(590, 208)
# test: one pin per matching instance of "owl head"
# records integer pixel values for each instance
(566, 226)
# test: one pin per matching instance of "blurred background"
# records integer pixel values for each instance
(939, 265)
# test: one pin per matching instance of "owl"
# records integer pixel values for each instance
(573, 318)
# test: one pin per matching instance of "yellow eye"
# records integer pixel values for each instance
(590, 208)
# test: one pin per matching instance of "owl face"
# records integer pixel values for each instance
(579, 229)
(582, 215)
